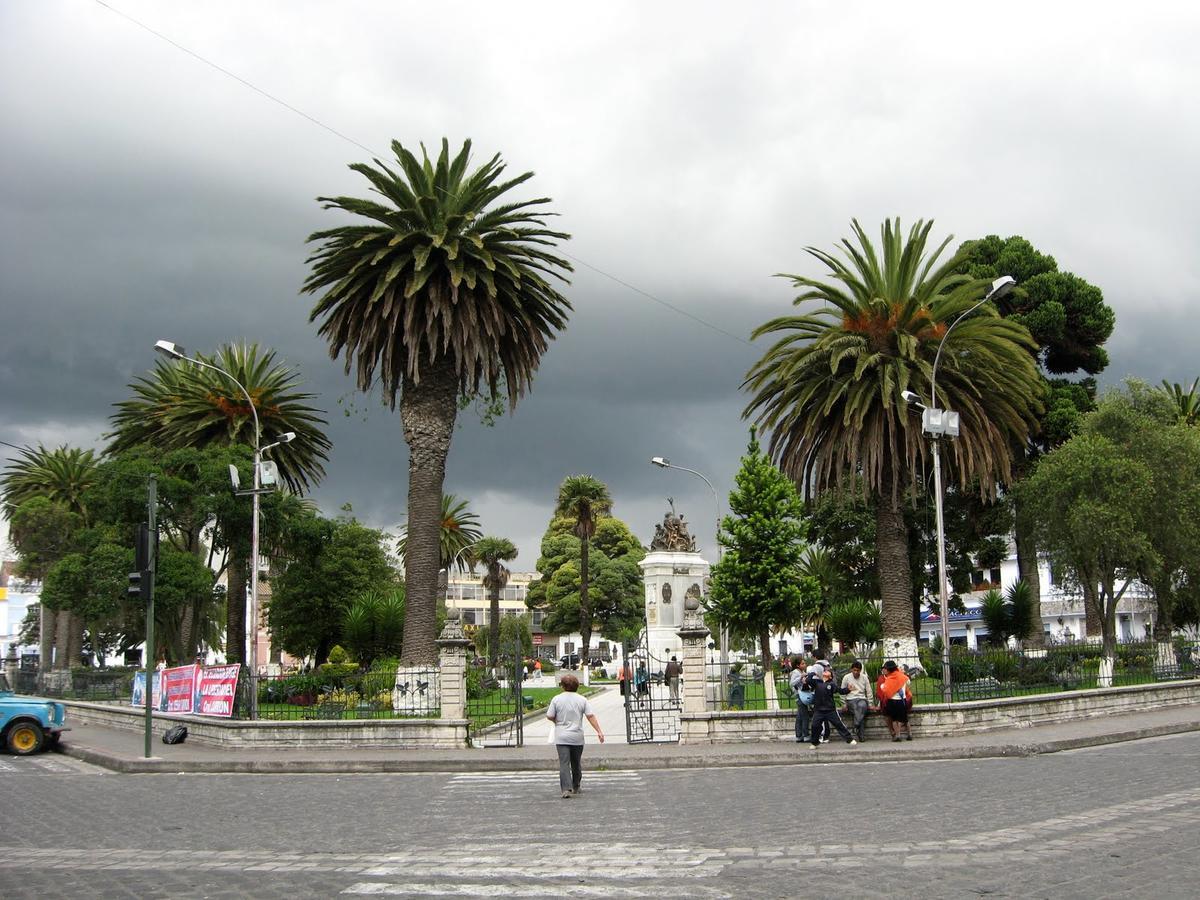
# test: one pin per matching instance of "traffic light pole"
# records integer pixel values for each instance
(151, 551)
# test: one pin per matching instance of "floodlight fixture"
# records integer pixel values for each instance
(169, 348)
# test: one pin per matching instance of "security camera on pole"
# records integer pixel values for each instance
(939, 423)
(266, 476)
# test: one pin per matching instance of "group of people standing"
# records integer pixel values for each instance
(641, 679)
(816, 688)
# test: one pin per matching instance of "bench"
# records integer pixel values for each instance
(981, 689)
(327, 709)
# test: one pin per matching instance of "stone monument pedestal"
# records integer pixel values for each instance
(670, 578)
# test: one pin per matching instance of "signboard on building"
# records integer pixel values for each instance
(537, 640)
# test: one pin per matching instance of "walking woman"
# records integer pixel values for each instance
(893, 699)
(567, 711)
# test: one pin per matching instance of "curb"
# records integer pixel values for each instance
(599, 761)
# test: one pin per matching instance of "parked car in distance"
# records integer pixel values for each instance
(28, 724)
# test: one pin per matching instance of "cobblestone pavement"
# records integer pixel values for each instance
(1106, 822)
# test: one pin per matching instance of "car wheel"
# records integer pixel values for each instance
(25, 738)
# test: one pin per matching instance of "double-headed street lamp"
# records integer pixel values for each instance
(663, 463)
(938, 423)
(174, 351)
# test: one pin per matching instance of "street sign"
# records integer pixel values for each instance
(537, 640)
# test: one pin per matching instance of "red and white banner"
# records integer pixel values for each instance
(215, 690)
(178, 685)
(199, 690)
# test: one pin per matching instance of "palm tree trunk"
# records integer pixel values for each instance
(1164, 624)
(764, 649)
(427, 411)
(62, 641)
(186, 631)
(75, 645)
(493, 619)
(189, 626)
(1093, 615)
(1108, 626)
(235, 607)
(1027, 567)
(895, 579)
(585, 610)
(824, 642)
(46, 635)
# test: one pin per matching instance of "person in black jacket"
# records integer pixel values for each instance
(824, 688)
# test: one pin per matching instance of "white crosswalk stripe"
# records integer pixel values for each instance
(428, 889)
(544, 870)
(46, 765)
(518, 784)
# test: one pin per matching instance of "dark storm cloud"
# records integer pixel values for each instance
(691, 152)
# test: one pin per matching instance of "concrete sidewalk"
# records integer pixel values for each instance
(121, 751)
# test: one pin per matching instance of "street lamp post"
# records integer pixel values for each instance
(938, 423)
(663, 463)
(174, 351)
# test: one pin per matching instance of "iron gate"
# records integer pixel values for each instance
(495, 705)
(651, 706)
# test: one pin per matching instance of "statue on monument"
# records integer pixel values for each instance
(672, 534)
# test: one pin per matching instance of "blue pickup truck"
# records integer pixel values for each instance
(28, 724)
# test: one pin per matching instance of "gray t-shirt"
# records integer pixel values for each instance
(860, 688)
(569, 710)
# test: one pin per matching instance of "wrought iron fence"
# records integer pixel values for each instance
(93, 685)
(342, 695)
(497, 700)
(983, 674)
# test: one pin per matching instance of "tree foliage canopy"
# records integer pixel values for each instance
(326, 564)
(445, 268)
(615, 589)
(180, 404)
(829, 389)
(760, 583)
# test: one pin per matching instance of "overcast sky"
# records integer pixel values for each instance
(692, 149)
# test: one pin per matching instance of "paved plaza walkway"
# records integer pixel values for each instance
(122, 750)
(609, 707)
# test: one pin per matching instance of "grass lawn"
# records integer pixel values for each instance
(928, 691)
(292, 711)
(496, 705)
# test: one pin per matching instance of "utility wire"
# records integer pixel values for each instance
(235, 77)
(361, 146)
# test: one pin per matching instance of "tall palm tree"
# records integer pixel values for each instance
(1184, 403)
(492, 553)
(458, 531)
(180, 404)
(583, 499)
(821, 565)
(446, 291)
(62, 476)
(829, 388)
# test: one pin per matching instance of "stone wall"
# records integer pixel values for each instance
(362, 734)
(938, 720)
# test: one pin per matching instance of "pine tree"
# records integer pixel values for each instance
(759, 584)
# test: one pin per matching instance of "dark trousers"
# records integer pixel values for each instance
(858, 709)
(803, 717)
(570, 769)
(823, 718)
